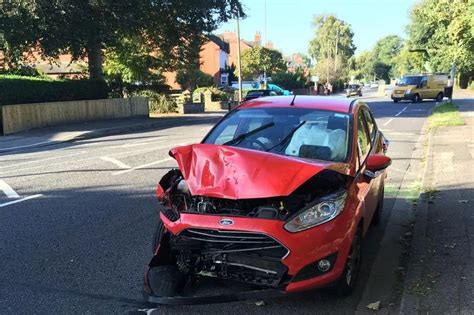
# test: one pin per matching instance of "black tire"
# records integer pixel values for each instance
(360, 94)
(439, 97)
(346, 283)
(166, 280)
(395, 101)
(378, 211)
(157, 235)
(417, 98)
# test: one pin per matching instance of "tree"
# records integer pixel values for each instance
(380, 62)
(257, 60)
(445, 29)
(361, 65)
(332, 44)
(290, 80)
(409, 62)
(87, 28)
(189, 79)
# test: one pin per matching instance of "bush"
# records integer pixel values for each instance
(190, 79)
(217, 95)
(288, 80)
(22, 90)
(159, 103)
(24, 70)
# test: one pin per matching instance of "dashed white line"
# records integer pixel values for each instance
(114, 161)
(142, 166)
(8, 190)
(398, 114)
(19, 200)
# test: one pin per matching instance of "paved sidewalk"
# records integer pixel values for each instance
(52, 135)
(440, 278)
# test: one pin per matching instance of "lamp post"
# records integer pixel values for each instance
(239, 64)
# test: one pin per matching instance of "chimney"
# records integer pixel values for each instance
(258, 38)
(269, 45)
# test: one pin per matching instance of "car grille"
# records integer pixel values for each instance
(223, 241)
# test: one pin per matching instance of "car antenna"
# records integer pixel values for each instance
(293, 101)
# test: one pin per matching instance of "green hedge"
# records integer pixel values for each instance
(21, 90)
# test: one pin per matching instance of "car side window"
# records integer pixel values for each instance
(370, 125)
(363, 140)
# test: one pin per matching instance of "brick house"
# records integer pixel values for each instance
(213, 60)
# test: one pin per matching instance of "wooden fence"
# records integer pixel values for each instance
(20, 117)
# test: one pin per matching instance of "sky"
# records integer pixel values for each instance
(288, 22)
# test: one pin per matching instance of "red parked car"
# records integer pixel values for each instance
(278, 195)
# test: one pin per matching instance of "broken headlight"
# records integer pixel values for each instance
(319, 213)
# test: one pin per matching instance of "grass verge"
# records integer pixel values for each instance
(445, 115)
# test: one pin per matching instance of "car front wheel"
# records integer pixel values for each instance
(346, 283)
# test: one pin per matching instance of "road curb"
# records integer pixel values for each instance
(409, 302)
(385, 269)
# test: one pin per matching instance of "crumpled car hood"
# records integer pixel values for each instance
(235, 173)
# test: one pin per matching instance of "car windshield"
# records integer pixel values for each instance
(299, 132)
(412, 80)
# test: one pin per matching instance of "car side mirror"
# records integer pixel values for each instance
(375, 164)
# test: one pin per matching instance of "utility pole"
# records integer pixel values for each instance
(335, 56)
(265, 24)
(327, 60)
(239, 65)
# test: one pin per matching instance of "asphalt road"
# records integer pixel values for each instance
(76, 226)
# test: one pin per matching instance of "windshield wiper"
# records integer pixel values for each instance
(288, 136)
(245, 135)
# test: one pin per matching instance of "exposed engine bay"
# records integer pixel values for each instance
(178, 198)
(238, 255)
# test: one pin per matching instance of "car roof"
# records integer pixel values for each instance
(335, 104)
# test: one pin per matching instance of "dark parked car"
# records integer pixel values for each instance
(252, 94)
(353, 89)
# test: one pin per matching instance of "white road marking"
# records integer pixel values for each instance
(114, 161)
(19, 200)
(388, 121)
(42, 160)
(8, 190)
(396, 115)
(142, 166)
(126, 153)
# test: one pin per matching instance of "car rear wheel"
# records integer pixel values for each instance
(416, 98)
(346, 283)
(439, 97)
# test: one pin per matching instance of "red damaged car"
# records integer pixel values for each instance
(278, 196)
